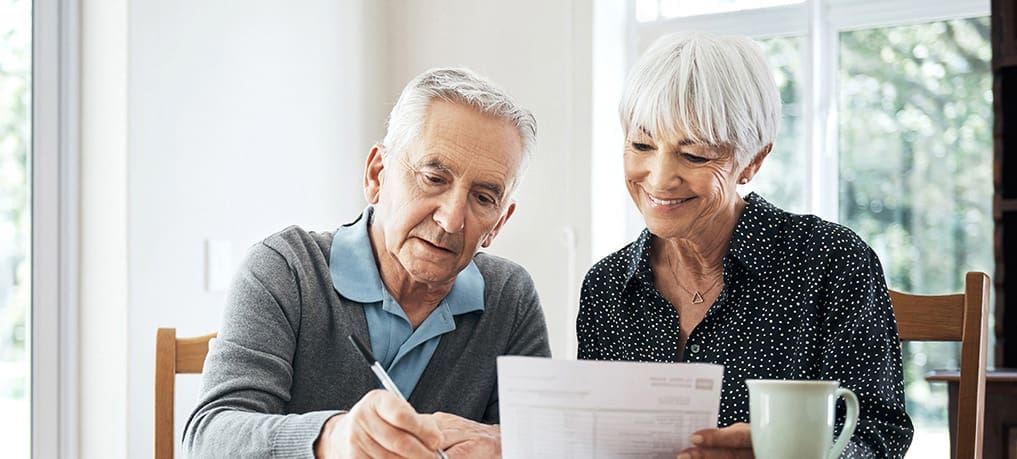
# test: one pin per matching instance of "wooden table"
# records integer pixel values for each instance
(1000, 435)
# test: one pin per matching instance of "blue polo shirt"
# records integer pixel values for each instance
(401, 350)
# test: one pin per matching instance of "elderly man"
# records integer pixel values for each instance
(283, 380)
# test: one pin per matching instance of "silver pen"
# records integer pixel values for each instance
(382, 375)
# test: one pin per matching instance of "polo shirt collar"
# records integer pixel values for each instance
(355, 275)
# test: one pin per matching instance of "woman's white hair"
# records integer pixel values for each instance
(712, 89)
(461, 86)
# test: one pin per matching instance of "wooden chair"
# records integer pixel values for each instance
(173, 356)
(960, 317)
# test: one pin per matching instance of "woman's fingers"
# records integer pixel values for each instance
(731, 442)
(737, 435)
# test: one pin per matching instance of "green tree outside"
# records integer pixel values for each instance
(915, 147)
(15, 216)
(915, 122)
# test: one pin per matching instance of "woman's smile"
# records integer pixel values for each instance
(666, 203)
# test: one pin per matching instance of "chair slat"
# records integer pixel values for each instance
(191, 353)
(928, 317)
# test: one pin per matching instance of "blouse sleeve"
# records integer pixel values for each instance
(587, 325)
(861, 349)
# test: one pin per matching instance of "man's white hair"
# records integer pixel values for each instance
(461, 86)
(712, 89)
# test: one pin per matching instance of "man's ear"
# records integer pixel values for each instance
(372, 174)
(753, 167)
(497, 228)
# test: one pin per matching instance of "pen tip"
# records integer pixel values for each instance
(362, 348)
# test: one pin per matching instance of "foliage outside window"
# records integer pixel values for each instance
(782, 179)
(916, 167)
(15, 220)
(915, 143)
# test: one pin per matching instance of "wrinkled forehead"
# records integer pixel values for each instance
(473, 148)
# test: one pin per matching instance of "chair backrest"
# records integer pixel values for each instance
(960, 317)
(172, 356)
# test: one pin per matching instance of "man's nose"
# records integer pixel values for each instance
(451, 212)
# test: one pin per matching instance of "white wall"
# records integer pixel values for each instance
(243, 118)
(540, 52)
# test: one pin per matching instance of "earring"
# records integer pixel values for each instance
(743, 181)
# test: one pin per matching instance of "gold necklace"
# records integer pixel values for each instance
(697, 296)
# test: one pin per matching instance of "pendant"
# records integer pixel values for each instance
(697, 298)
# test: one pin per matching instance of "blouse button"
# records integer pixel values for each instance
(694, 348)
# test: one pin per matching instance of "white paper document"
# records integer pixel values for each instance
(593, 409)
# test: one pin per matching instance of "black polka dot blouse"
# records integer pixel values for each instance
(803, 298)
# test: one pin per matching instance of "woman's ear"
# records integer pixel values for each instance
(753, 167)
(372, 174)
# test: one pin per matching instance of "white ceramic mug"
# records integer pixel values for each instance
(794, 419)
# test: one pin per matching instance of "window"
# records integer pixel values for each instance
(916, 169)
(887, 128)
(15, 225)
(788, 186)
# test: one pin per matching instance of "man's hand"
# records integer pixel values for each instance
(468, 439)
(731, 442)
(379, 425)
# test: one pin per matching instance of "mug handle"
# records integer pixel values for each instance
(850, 421)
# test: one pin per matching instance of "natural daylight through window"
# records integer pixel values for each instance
(15, 226)
(887, 129)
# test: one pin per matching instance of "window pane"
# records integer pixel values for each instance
(916, 175)
(646, 10)
(781, 180)
(15, 103)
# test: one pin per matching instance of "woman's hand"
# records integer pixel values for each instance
(731, 442)
(468, 439)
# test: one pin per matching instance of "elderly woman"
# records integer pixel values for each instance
(736, 281)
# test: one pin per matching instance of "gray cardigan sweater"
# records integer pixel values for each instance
(282, 364)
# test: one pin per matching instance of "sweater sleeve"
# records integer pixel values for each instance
(248, 373)
(529, 331)
(529, 334)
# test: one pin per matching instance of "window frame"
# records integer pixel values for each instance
(818, 22)
(54, 215)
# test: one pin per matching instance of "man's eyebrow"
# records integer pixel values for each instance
(494, 188)
(434, 163)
